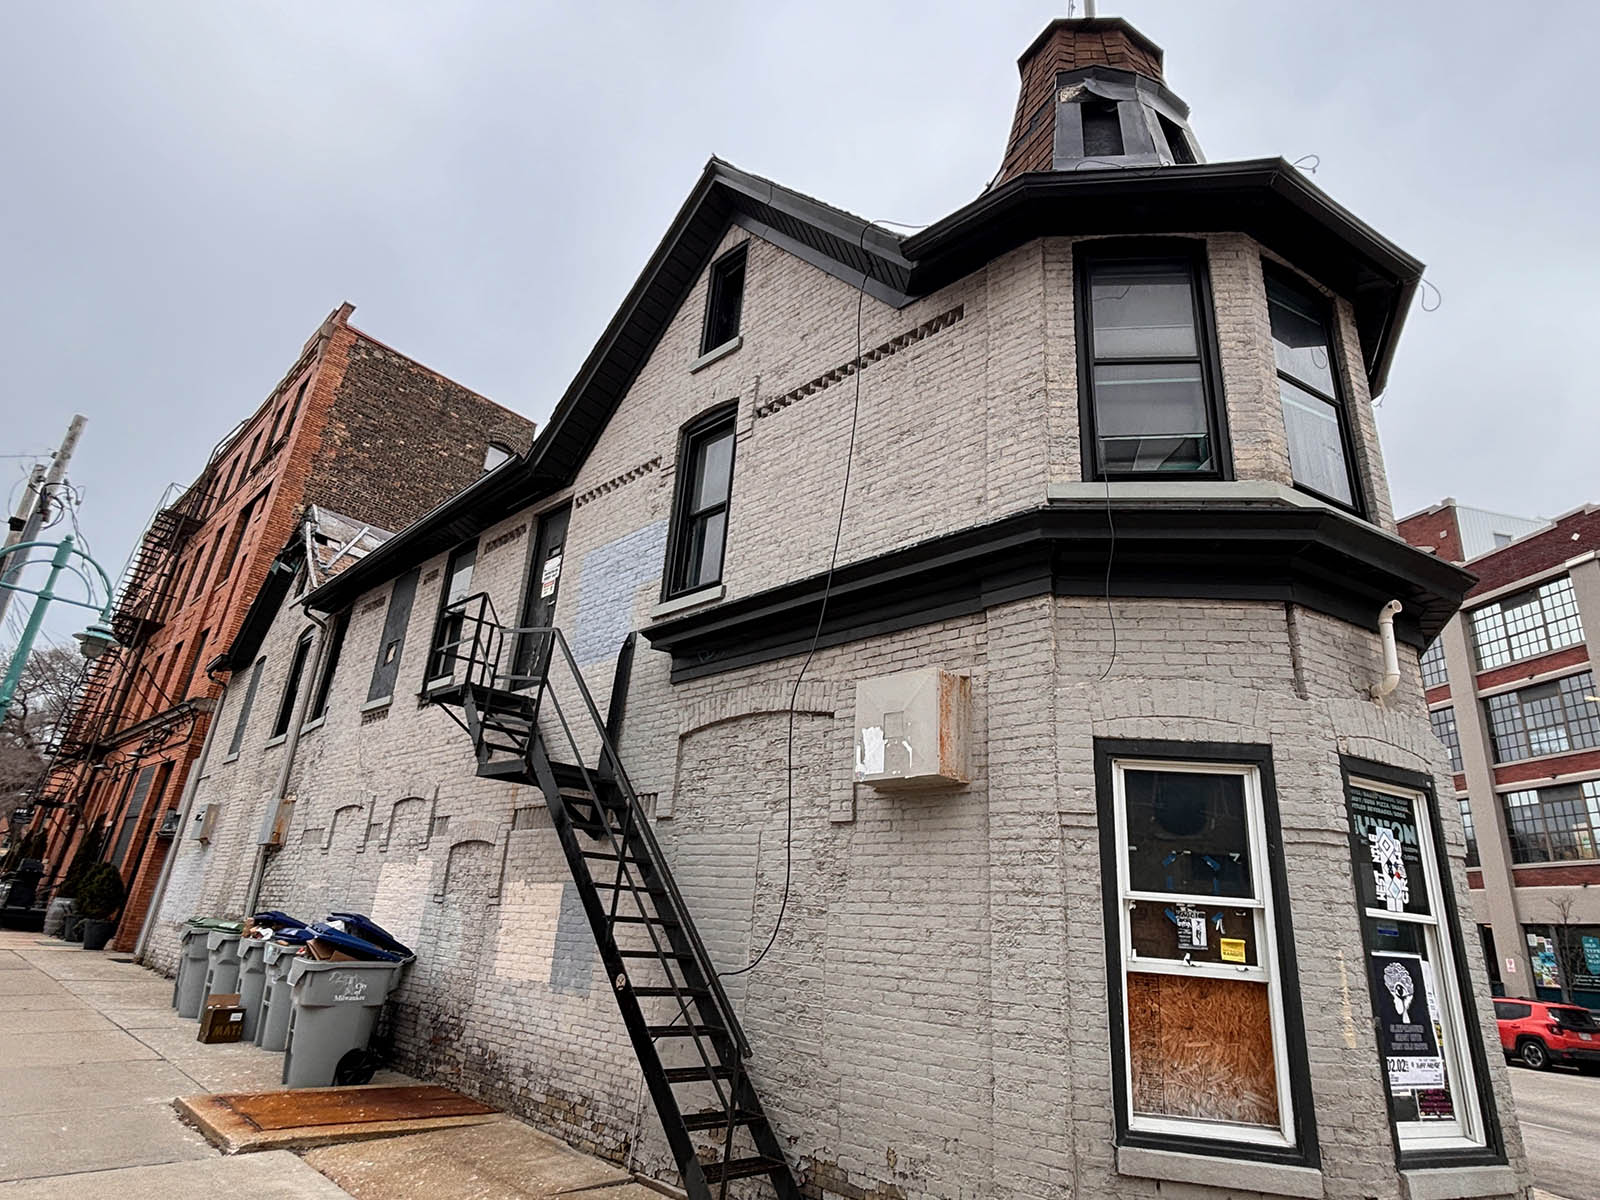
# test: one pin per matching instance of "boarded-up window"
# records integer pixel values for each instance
(393, 641)
(1201, 1019)
(244, 709)
(131, 814)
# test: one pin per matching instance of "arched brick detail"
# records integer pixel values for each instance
(818, 698)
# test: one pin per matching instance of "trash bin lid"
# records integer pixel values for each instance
(352, 945)
(274, 919)
(293, 937)
(215, 923)
(368, 930)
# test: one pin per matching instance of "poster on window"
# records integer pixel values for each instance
(1389, 851)
(1406, 1034)
(1542, 954)
(1588, 976)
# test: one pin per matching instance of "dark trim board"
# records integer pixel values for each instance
(1318, 558)
(1305, 1152)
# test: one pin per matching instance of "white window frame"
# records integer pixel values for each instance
(1267, 971)
(1466, 1131)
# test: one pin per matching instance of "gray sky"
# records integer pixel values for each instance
(191, 187)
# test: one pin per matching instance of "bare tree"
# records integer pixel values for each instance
(1566, 951)
(28, 733)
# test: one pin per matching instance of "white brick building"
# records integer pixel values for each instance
(1111, 461)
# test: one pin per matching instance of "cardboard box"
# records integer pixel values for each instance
(222, 1019)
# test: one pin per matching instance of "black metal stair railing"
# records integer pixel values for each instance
(641, 924)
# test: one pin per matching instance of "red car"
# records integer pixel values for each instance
(1539, 1034)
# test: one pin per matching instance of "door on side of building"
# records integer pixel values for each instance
(539, 597)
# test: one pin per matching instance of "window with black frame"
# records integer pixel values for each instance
(1151, 400)
(450, 628)
(1548, 718)
(724, 300)
(1418, 999)
(291, 685)
(700, 518)
(1308, 383)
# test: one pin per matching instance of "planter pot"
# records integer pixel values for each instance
(97, 933)
(74, 928)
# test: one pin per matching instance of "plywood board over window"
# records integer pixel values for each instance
(1202, 1048)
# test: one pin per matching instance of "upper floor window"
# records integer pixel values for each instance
(724, 300)
(1536, 621)
(1313, 408)
(1470, 832)
(291, 685)
(319, 701)
(1148, 380)
(245, 708)
(1434, 672)
(495, 455)
(1549, 718)
(1444, 728)
(450, 630)
(700, 513)
(1554, 824)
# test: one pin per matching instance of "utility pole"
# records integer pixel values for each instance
(33, 522)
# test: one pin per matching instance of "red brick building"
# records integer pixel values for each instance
(1512, 694)
(354, 426)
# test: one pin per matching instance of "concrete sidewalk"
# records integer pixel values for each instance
(92, 1056)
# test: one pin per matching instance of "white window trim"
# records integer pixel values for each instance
(1268, 972)
(1456, 1134)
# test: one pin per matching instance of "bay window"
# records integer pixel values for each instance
(1209, 1052)
(1148, 374)
(1415, 973)
(1308, 383)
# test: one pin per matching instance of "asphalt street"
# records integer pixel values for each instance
(1560, 1113)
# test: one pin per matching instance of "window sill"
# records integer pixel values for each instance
(310, 725)
(688, 600)
(1220, 1171)
(1448, 1183)
(380, 702)
(716, 352)
(277, 741)
(234, 757)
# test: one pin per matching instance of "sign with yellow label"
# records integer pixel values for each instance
(1232, 949)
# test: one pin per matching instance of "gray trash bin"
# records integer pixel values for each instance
(189, 988)
(272, 1030)
(222, 963)
(336, 1006)
(252, 983)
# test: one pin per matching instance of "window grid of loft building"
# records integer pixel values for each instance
(1533, 622)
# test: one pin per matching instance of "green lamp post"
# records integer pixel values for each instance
(95, 640)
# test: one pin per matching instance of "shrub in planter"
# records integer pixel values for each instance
(100, 898)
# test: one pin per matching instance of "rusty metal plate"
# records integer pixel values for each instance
(351, 1106)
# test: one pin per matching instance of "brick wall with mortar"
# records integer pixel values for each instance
(376, 434)
(937, 948)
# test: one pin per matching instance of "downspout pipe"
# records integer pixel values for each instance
(308, 687)
(191, 785)
(1391, 656)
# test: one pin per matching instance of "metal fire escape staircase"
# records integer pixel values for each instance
(685, 1032)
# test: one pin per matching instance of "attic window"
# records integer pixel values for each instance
(1177, 140)
(724, 300)
(1102, 130)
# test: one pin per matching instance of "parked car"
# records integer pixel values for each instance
(1539, 1034)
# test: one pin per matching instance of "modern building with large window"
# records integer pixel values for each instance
(930, 715)
(1512, 694)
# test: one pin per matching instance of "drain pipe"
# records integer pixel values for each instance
(308, 687)
(1391, 658)
(191, 785)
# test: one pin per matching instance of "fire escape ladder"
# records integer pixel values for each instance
(683, 1027)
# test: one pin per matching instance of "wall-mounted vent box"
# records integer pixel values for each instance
(203, 823)
(912, 729)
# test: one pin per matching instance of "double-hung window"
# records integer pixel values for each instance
(1208, 1053)
(1308, 381)
(1414, 972)
(1147, 374)
(700, 518)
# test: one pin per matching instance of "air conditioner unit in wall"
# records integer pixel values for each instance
(203, 822)
(912, 729)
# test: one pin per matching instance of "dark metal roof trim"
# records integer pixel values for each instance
(1314, 557)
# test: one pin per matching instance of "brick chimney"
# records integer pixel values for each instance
(1130, 71)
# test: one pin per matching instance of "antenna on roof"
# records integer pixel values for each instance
(1088, 8)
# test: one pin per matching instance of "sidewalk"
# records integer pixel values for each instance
(92, 1056)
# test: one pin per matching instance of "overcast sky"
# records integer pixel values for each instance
(191, 187)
